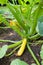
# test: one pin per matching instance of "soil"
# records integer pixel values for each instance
(9, 34)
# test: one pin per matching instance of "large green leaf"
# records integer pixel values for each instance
(18, 62)
(40, 26)
(3, 51)
(6, 13)
(15, 10)
(41, 19)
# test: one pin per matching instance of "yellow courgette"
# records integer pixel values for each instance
(22, 48)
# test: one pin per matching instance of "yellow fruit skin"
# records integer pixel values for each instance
(12, 23)
(22, 48)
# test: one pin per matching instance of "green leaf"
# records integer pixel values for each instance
(40, 26)
(34, 1)
(41, 52)
(41, 19)
(18, 62)
(3, 51)
(3, 2)
(37, 1)
(33, 64)
(35, 15)
(6, 13)
(42, 62)
(42, 47)
(15, 10)
(26, 1)
(30, 1)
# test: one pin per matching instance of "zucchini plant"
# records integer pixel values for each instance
(28, 23)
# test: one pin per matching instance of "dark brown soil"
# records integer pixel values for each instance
(9, 34)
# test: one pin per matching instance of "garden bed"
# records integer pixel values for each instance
(26, 56)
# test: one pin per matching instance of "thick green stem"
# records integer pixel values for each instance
(39, 42)
(17, 30)
(34, 37)
(13, 51)
(9, 41)
(33, 55)
(4, 27)
(14, 45)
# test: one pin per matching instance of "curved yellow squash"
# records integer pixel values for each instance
(22, 48)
